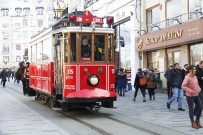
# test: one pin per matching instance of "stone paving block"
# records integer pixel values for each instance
(19, 119)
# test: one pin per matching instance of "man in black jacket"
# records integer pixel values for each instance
(166, 75)
(175, 80)
(199, 75)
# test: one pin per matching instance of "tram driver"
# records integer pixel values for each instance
(85, 48)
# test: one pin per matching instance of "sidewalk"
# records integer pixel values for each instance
(17, 118)
(156, 111)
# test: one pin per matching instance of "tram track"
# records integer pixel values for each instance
(128, 124)
(95, 127)
(105, 131)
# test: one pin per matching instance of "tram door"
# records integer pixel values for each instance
(58, 63)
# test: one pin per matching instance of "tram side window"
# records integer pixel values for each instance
(86, 47)
(46, 51)
(110, 46)
(39, 52)
(66, 48)
(99, 45)
(73, 47)
(33, 53)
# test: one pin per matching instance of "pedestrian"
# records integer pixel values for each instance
(191, 87)
(175, 80)
(3, 76)
(122, 82)
(151, 83)
(199, 75)
(25, 79)
(140, 83)
(166, 75)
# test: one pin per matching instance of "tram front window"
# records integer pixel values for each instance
(99, 48)
(86, 47)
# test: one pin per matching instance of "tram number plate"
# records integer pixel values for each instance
(70, 87)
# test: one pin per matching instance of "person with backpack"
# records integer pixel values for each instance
(151, 83)
(140, 83)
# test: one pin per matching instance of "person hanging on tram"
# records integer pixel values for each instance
(26, 79)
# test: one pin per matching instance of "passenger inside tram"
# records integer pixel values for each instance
(85, 48)
(99, 48)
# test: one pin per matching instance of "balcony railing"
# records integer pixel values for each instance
(192, 15)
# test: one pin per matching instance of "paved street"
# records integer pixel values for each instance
(154, 112)
(19, 119)
(157, 112)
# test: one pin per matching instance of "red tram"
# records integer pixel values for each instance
(72, 62)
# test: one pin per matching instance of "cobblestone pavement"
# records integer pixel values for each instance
(12, 122)
(156, 111)
(151, 111)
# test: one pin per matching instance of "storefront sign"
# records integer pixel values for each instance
(162, 38)
(185, 33)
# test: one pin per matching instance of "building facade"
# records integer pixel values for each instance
(157, 33)
(172, 33)
(18, 23)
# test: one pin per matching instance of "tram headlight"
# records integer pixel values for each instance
(93, 80)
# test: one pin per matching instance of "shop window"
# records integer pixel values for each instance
(123, 44)
(153, 60)
(196, 53)
(173, 56)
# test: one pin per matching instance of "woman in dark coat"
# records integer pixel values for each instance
(3, 77)
(122, 82)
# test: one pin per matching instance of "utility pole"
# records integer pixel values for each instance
(136, 19)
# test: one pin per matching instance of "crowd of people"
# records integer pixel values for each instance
(187, 82)
(21, 74)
